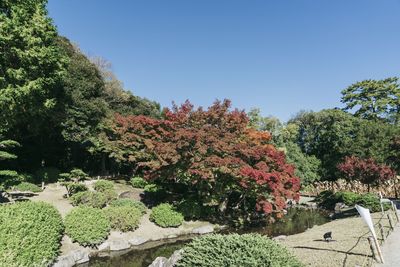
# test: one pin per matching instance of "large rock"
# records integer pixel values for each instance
(159, 262)
(136, 241)
(104, 246)
(174, 258)
(119, 245)
(203, 229)
(72, 258)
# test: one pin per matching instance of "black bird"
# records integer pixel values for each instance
(328, 236)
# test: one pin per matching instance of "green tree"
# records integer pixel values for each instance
(31, 66)
(120, 100)
(7, 177)
(374, 99)
(330, 135)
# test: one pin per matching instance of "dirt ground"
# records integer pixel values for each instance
(349, 247)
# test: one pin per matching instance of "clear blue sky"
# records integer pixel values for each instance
(280, 56)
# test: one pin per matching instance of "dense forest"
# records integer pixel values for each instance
(61, 109)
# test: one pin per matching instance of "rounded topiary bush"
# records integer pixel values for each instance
(87, 226)
(30, 234)
(25, 186)
(138, 182)
(165, 215)
(103, 185)
(126, 202)
(246, 250)
(124, 218)
(88, 198)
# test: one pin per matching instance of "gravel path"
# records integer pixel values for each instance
(349, 248)
(391, 249)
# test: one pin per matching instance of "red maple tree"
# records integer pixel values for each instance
(367, 171)
(211, 153)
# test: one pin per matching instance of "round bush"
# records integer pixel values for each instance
(25, 186)
(110, 195)
(138, 182)
(89, 198)
(30, 234)
(87, 226)
(126, 202)
(75, 187)
(190, 209)
(164, 215)
(246, 250)
(103, 185)
(123, 218)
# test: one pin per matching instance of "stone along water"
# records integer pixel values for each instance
(294, 222)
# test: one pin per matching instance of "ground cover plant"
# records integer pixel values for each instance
(25, 186)
(246, 250)
(123, 218)
(103, 185)
(89, 198)
(86, 225)
(165, 215)
(30, 234)
(126, 202)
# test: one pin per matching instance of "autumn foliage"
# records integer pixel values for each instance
(208, 154)
(368, 171)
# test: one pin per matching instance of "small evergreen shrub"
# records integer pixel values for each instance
(165, 215)
(30, 234)
(123, 218)
(110, 195)
(138, 182)
(103, 185)
(191, 209)
(74, 187)
(89, 198)
(328, 200)
(87, 226)
(25, 186)
(126, 202)
(246, 250)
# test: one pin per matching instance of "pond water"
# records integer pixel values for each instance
(296, 221)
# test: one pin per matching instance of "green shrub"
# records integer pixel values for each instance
(47, 174)
(138, 182)
(87, 226)
(124, 218)
(126, 202)
(328, 200)
(25, 186)
(246, 250)
(164, 215)
(89, 198)
(152, 188)
(74, 187)
(103, 185)
(191, 209)
(30, 234)
(110, 195)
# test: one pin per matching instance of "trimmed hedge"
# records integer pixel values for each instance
(246, 250)
(89, 198)
(103, 185)
(123, 218)
(126, 202)
(25, 186)
(165, 215)
(30, 234)
(87, 226)
(138, 182)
